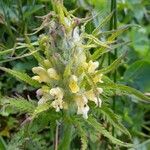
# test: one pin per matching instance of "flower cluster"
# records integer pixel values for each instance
(68, 75)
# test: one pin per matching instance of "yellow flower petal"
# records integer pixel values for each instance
(82, 106)
(92, 97)
(57, 104)
(73, 84)
(98, 78)
(53, 74)
(42, 74)
(57, 93)
(37, 78)
(92, 66)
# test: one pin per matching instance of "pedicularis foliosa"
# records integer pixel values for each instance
(72, 87)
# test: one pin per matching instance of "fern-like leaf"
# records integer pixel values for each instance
(40, 108)
(22, 76)
(113, 119)
(19, 103)
(103, 22)
(100, 129)
(110, 39)
(113, 66)
(126, 91)
(82, 134)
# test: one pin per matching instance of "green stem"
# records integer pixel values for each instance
(113, 25)
(115, 52)
(56, 137)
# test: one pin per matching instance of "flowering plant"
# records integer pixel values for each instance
(72, 87)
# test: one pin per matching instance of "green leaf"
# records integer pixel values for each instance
(113, 119)
(138, 75)
(19, 57)
(127, 91)
(22, 76)
(113, 66)
(66, 138)
(81, 132)
(100, 129)
(2, 144)
(40, 109)
(19, 103)
(103, 22)
(111, 38)
(21, 45)
(95, 40)
(31, 48)
(32, 9)
(119, 31)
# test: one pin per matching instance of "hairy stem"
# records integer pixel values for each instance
(56, 137)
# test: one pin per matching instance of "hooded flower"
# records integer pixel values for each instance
(83, 108)
(73, 84)
(37, 78)
(57, 104)
(57, 93)
(44, 94)
(42, 74)
(94, 96)
(92, 66)
(77, 72)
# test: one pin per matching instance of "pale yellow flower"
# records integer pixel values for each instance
(98, 78)
(37, 78)
(92, 66)
(57, 104)
(44, 99)
(53, 74)
(42, 74)
(82, 106)
(57, 93)
(73, 84)
(94, 96)
(42, 91)
(100, 90)
(44, 94)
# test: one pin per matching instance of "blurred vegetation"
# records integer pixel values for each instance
(20, 16)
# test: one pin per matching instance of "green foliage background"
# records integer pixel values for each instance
(18, 16)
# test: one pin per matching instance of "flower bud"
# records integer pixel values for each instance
(47, 63)
(53, 74)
